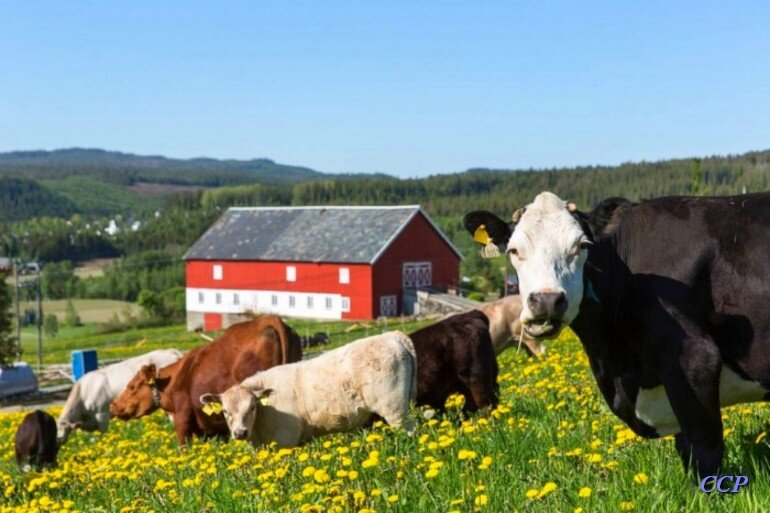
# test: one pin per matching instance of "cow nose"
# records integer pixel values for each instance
(239, 434)
(547, 305)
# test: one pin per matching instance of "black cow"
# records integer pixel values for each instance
(36, 441)
(455, 355)
(669, 298)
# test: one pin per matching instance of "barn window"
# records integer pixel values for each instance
(217, 272)
(291, 302)
(344, 275)
(328, 303)
(345, 304)
(291, 273)
(201, 297)
(274, 300)
(236, 299)
(219, 298)
(310, 301)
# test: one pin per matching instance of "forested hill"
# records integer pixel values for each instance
(99, 183)
(502, 191)
(127, 168)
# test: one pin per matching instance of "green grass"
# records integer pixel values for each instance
(141, 340)
(552, 427)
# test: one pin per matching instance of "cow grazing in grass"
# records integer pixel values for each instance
(88, 405)
(242, 350)
(669, 298)
(336, 391)
(455, 355)
(505, 326)
(36, 445)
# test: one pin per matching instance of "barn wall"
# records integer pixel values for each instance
(417, 242)
(311, 279)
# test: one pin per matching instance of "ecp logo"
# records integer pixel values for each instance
(710, 483)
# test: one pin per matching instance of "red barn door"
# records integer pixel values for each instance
(212, 321)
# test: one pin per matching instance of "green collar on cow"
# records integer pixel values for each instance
(591, 292)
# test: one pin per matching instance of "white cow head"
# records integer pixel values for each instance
(548, 248)
(240, 407)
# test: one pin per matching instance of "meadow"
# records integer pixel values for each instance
(551, 446)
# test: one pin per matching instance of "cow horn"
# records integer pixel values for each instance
(516, 217)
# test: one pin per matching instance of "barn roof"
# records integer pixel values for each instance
(306, 234)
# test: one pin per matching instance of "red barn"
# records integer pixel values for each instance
(318, 262)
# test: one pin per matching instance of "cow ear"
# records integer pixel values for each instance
(212, 404)
(263, 395)
(149, 371)
(488, 230)
(604, 218)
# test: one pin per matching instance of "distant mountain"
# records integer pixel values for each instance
(129, 168)
(100, 182)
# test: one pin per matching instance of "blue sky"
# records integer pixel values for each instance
(407, 88)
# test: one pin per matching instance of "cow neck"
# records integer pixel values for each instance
(161, 398)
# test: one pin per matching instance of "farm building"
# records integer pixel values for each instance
(318, 262)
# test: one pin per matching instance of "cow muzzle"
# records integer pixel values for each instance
(546, 311)
(240, 434)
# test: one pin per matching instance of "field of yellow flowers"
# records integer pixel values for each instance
(551, 446)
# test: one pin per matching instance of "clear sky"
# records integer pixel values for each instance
(407, 88)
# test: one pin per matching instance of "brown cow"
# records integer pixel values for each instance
(242, 350)
(455, 355)
(505, 327)
(36, 445)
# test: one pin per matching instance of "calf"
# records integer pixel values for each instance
(336, 391)
(668, 297)
(242, 350)
(455, 355)
(36, 445)
(505, 328)
(88, 405)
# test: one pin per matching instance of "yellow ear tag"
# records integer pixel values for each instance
(264, 401)
(151, 381)
(481, 236)
(212, 408)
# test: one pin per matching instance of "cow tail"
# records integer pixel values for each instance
(407, 343)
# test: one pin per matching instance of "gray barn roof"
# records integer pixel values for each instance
(306, 234)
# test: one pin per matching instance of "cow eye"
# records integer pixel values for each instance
(514, 252)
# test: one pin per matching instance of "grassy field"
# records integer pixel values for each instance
(141, 340)
(89, 310)
(551, 446)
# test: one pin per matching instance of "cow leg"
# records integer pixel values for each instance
(477, 396)
(103, 420)
(185, 426)
(692, 388)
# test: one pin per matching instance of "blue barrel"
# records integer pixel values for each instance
(82, 362)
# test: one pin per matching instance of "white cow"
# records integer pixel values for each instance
(336, 391)
(88, 405)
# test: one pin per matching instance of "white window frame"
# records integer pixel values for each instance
(217, 272)
(236, 299)
(329, 303)
(346, 304)
(344, 275)
(291, 273)
(292, 301)
(274, 300)
(388, 300)
(218, 298)
(310, 302)
(201, 298)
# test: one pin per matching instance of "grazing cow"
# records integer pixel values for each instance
(242, 350)
(336, 391)
(455, 355)
(88, 405)
(668, 297)
(505, 326)
(36, 445)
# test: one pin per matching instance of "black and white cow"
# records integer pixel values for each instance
(669, 298)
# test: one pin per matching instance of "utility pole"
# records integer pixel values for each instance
(39, 295)
(18, 304)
